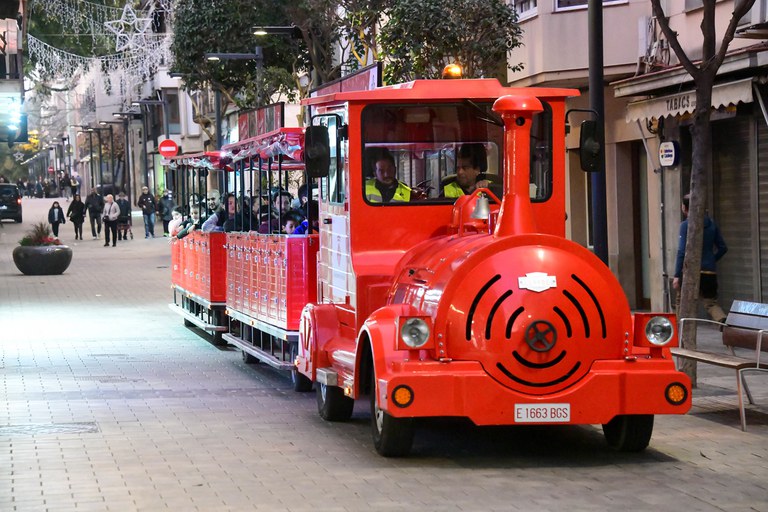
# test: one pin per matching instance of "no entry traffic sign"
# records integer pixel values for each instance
(168, 148)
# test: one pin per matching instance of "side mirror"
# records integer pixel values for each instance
(317, 151)
(589, 147)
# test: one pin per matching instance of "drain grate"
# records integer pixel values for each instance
(36, 429)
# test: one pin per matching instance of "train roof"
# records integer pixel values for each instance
(283, 142)
(440, 90)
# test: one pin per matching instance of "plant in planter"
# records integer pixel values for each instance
(39, 253)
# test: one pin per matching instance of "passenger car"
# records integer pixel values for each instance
(10, 202)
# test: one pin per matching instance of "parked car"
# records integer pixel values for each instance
(10, 202)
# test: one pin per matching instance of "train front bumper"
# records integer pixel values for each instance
(463, 388)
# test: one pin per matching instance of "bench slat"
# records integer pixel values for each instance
(750, 308)
(746, 321)
(724, 360)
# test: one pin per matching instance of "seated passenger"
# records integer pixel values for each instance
(223, 220)
(190, 224)
(211, 203)
(281, 205)
(384, 187)
(471, 165)
(175, 224)
(291, 221)
(313, 212)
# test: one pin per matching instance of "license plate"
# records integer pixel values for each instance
(3, 207)
(542, 413)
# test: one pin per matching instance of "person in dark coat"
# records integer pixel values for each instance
(124, 220)
(166, 206)
(76, 213)
(55, 218)
(94, 203)
(148, 206)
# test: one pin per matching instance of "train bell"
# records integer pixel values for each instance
(482, 209)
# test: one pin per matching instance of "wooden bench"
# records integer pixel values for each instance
(745, 327)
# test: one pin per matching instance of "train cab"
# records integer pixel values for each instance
(445, 280)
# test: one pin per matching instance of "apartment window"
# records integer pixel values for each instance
(565, 5)
(525, 8)
(174, 117)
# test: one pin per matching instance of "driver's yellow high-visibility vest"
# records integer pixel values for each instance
(402, 193)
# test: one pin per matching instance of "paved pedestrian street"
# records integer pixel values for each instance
(107, 402)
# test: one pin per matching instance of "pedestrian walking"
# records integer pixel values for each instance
(76, 214)
(124, 221)
(148, 206)
(111, 214)
(95, 205)
(166, 207)
(55, 218)
(74, 185)
(713, 248)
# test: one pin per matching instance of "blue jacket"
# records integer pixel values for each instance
(713, 247)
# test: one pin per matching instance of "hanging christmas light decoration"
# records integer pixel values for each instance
(131, 31)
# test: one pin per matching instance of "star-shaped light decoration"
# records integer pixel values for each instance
(18, 156)
(130, 30)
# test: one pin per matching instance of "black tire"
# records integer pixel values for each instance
(218, 339)
(392, 437)
(18, 219)
(301, 383)
(332, 404)
(629, 433)
(248, 358)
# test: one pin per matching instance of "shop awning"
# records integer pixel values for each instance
(730, 93)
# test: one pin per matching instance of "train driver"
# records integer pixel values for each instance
(384, 187)
(471, 165)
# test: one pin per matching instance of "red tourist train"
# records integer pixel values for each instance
(442, 301)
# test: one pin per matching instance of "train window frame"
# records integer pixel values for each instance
(541, 150)
(443, 148)
(541, 154)
(333, 186)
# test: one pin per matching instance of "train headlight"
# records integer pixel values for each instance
(659, 331)
(414, 332)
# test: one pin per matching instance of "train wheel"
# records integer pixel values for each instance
(332, 404)
(392, 437)
(301, 383)
(248, 358)
(629, 433)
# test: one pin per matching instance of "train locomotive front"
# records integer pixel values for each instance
(527, 329)
(511, 327)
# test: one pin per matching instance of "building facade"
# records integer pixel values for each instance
(648, 102)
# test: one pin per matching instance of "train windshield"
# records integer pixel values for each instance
(427, 154)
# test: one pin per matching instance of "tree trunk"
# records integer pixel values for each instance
(701, 135)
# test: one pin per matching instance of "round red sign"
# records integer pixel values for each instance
(168, 148)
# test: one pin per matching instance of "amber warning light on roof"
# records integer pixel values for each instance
(452, 71)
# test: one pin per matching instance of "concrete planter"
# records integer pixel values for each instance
(42, 260)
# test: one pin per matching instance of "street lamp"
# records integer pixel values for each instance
(126, 116)
(126, 167)
(287, 30)
(90, 150)
(258, 56)
(164, 103)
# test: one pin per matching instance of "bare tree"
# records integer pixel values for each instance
(703, 74)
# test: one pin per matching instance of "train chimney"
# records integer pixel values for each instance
(515, 215)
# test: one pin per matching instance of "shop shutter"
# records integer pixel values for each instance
(762, 208)
(732, 209)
